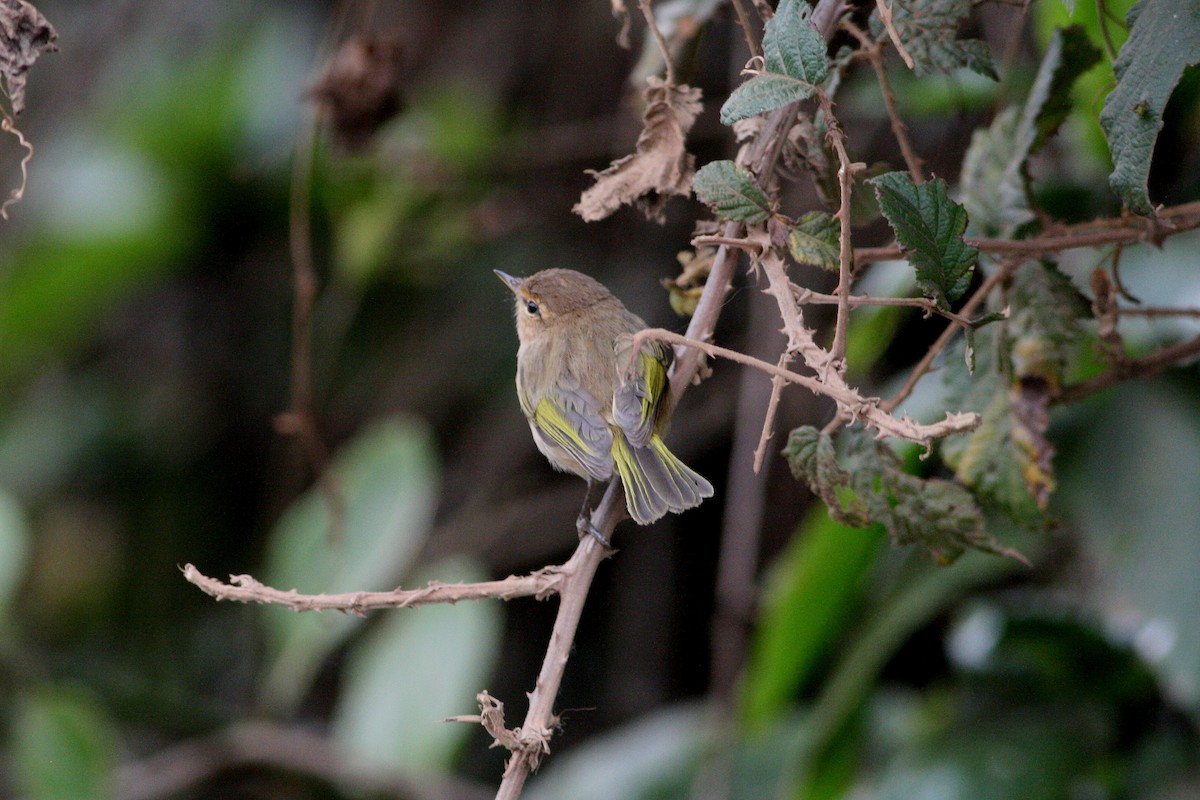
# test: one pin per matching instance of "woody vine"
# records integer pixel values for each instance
(984, 266)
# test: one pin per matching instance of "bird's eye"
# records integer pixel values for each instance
(531, 308)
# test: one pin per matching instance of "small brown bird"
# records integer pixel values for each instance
(590, 406)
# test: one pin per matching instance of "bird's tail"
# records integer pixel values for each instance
(655, 480)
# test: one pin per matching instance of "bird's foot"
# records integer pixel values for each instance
(586, 528)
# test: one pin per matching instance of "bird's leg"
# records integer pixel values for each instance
(584, 523)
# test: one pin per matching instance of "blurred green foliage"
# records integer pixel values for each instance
(144, 352)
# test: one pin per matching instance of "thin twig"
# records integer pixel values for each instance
(747, 29)
(1144, 367)
(300, 419)
(805, 296)
(14, 196)
(885, 16)
(968, 308)
(874, 54)
(768, 426)
(652, 24)
(1097, 233)
(845, 249)
(858, 407)
(246, 589)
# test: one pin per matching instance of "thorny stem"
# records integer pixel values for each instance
(845, 249)
(867, 410)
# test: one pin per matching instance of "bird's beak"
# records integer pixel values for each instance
(513, 283)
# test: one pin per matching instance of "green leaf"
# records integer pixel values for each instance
(1164, 37)
(1045, 311)
(938, 515)
(732, 192)
(810, 594)
(1069, 55)
(929, 29)
(929, 226)
(63, 746)
(418, 667)
(816, 240)
(811, 456)
(1008, 460)
(993, 185)
(792, 46)
(387, 479)
(993, 181)
(869, 485)
(795, 65)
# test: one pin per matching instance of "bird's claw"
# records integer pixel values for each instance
(586, 528)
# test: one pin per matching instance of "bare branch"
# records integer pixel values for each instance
(885, 16)
(652, 24)
(1002, 272)
(873, 52)
(768, 427)
(246, 589)
(1144, 367)
(1098, 233)
(806, 296)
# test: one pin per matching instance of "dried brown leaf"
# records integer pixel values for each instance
(659, 168)
(360, 88)
(24, 35)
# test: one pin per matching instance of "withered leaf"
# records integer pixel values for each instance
(24, 35)
(360, 88)
(659, 168)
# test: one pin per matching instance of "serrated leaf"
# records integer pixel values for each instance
(816, 240)
(812, 459)
(993, 181)
(929, 30)
(732, 192)
(416, 668)
(938, 515)
(929, 226)
(792, 46)
(869, 485)
(795, 65)
(1164, 38)
(388, 481)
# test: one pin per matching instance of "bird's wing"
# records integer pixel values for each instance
(569, 417)
(640, 392)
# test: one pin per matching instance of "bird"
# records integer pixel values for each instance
(594, 408)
